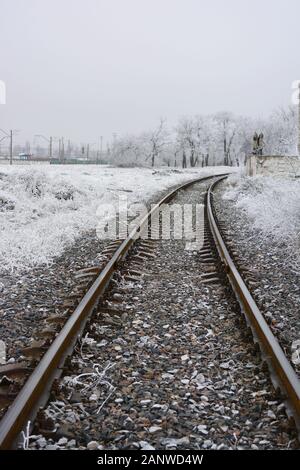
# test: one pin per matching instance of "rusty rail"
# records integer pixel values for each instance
(36, 390)
(281, 371)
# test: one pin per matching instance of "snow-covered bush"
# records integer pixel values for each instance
(44, 208)
(37, 215)
(273, 207)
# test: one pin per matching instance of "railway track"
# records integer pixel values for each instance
(36, 391)
(282, 374)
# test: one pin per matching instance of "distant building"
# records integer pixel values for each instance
(24, 156)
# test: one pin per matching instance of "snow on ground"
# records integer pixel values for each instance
(273, 207)
(45, 208)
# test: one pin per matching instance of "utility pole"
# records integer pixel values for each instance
(11, 147)
(69, 149)
(5, 137)
(62, 149)
(50, 148)
(101, 142)
(50, 141)
(87, 151)
(10, 136)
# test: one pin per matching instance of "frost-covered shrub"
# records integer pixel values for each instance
(37, 218)
(6, 203)
(273, 207)
(45, 208)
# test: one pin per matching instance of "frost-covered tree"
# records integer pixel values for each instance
(155, 142)
(281, 132)
(128, 151)
(206, 139)
(220, 139)
(186, 135)
(227, 124)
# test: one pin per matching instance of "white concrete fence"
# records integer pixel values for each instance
(273, 165)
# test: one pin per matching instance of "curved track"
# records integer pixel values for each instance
(282, 374)
(36, 390)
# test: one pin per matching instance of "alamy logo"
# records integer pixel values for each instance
(2, 92)
(167, 222)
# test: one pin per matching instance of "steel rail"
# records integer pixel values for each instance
(281, 371)
(36, 390)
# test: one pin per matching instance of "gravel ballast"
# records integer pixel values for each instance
(275, 281)
(171, 369)
(28, 297)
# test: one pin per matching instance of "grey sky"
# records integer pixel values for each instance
(85, 68)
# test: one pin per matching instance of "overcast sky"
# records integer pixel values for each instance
(85, 68)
